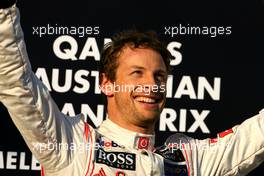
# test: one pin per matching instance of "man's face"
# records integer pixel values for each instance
(145, 73)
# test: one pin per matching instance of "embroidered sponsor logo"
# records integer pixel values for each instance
(143, 143)
(170, 153)
(120, 160)
(120, 173)
(107, 143)
(221, 135)
(100, 173)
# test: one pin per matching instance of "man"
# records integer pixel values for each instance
(138, 64)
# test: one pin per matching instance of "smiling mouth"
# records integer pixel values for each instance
(148, 99)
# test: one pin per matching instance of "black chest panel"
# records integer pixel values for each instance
(174, 161)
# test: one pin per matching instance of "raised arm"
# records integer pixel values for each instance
(236, 151)
(28, 101)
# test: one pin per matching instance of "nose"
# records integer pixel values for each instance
(150, 82)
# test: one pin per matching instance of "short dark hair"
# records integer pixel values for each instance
(134, 39)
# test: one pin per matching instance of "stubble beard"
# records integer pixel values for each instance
(130, 113)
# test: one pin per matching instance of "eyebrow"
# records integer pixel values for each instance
(137, 67)
(143, 68)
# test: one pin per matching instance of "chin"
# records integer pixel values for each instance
(150, 118)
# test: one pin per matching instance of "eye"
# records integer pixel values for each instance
(137, 72)
(160, 77)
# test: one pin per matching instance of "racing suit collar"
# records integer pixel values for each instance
(126, 138)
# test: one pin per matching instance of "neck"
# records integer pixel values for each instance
(132, 127)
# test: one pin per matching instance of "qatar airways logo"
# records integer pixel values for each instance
(120, 160)
(74, 51)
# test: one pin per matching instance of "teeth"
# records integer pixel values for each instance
(145, 100)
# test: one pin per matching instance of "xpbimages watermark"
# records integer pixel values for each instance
(146, 89)
(83, 147)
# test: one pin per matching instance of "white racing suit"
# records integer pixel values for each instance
(67, 146)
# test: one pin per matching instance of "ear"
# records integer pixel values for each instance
(107, 87)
